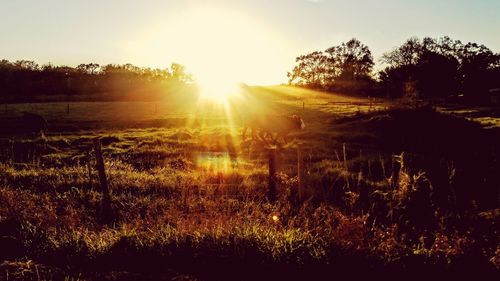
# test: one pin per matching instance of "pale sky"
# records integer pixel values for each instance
(255, 41)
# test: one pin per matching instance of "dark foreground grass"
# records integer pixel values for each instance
(225, 239)
(432, 213)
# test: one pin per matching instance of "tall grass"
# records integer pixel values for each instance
(363, 211)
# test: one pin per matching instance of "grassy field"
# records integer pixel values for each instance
(387, 189)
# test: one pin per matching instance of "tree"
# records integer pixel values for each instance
(89, 68)
(351, 61)
(407, 54)
(5, 64)
(26, 65)
(424, 68)
(312, 71)
(179, 74)
(439, 68)
(351, 68)
(494, 76)
(346, 67)
(436, 75)
(476, 62)
(25, 78)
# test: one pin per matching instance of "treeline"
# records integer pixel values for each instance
(425, 68)
(26, 80)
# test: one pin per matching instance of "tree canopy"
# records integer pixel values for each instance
(439, 68)
(348, 63)
(23, 79)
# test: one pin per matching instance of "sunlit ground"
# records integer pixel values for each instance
(210, 115)
(217, 162)
(184, 105)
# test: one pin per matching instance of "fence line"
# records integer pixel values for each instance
(272, 155)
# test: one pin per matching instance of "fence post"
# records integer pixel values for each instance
(67, 108)
(303, 105)
(11, 143)
(300, 173)
(102, 174)
(344, 155)
(89, 167)
(272, 175)
(396, 168)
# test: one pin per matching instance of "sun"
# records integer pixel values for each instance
(218, 45)
(221, 48)
(216, 88)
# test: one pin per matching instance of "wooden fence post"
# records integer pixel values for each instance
(102, 171)
(344, 155)
(272, 175)
(11, 148)
(89, 166)
(300, 173)
(67, 108)
(396, 168)
(303, 105)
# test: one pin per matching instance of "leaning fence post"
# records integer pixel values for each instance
(102, 172)
(89, 167)
(272, 175)
(300, 174)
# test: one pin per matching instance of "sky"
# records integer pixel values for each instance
(253, 41)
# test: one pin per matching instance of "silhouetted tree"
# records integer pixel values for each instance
(476, 61)
(436, 75)
(405, 55)
(438, 68)
(351, 65)
(344, 67)
(398, 81)
(313, 71)
(494, 77)
(89, 68)
(22, 79)
(351, 60)
(26, 65)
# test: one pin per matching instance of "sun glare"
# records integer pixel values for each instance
(221, 48)
(216, 88)
(218, 43)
